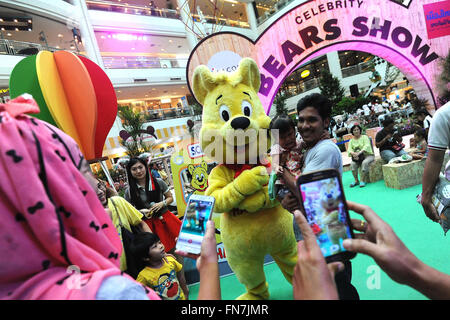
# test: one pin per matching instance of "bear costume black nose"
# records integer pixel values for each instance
(240, 123)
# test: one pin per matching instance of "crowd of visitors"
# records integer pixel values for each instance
(86, 224)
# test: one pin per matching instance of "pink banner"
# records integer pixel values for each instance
(437, 18)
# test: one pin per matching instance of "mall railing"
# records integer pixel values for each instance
(302, 87)
(158, 12)
(142, 62)
(132, 9)
(22, 48)
(165, 114)
(270, 12)
(356, 69)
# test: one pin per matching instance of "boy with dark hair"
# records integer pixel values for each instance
(160, 270)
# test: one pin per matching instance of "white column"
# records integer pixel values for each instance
(251, 16)
(187, 19)
(87, 32)
(334, 65)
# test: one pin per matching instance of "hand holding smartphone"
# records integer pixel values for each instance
(198, 212)
(326, 211)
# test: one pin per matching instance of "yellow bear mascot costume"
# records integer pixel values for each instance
(252, 225)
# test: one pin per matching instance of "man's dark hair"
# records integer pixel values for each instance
(422, 111)
(319, 102)
(387, 121)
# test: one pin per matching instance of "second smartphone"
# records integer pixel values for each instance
(326, 210)
(199, 210)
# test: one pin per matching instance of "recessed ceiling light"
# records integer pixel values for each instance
(60, 35)
(9, 34)
(15, 20)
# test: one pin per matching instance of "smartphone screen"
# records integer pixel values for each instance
(326, 213)
(198, 211)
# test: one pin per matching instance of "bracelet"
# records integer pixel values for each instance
(165, 203)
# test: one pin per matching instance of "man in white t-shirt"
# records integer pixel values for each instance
(438, 142)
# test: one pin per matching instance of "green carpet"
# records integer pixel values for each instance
(399, 209)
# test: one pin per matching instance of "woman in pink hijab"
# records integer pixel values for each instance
(57, 241)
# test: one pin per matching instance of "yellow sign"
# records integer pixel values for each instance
(305, 73)
(190, 169)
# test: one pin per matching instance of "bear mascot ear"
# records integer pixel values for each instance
(249, 73)
(191, 168)
(203, 82)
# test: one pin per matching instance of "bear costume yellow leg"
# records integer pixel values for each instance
(246, 250)
(252, 225)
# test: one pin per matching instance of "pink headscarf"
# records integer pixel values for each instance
(51, 222)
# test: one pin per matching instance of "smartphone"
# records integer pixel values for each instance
(326, 210)
(199, 210)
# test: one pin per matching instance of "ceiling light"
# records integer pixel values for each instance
(60, 35)
(15, 20)
(9, 34)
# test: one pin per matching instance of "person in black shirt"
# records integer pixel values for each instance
(388, 141)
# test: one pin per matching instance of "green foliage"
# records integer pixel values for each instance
(444, 80)
(132, 123)
(198, 109)
(331, 87)
(280, 104)
(349, 105)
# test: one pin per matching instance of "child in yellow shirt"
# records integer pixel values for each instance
(160, 270)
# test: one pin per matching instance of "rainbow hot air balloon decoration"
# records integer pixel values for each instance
(73, 93)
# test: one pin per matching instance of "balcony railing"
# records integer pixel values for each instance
(356, 69)
(132, 9)
(142, 62)
(158, 12)
(301, 87)
(277, 7)
(164, 114)
(21, 48)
